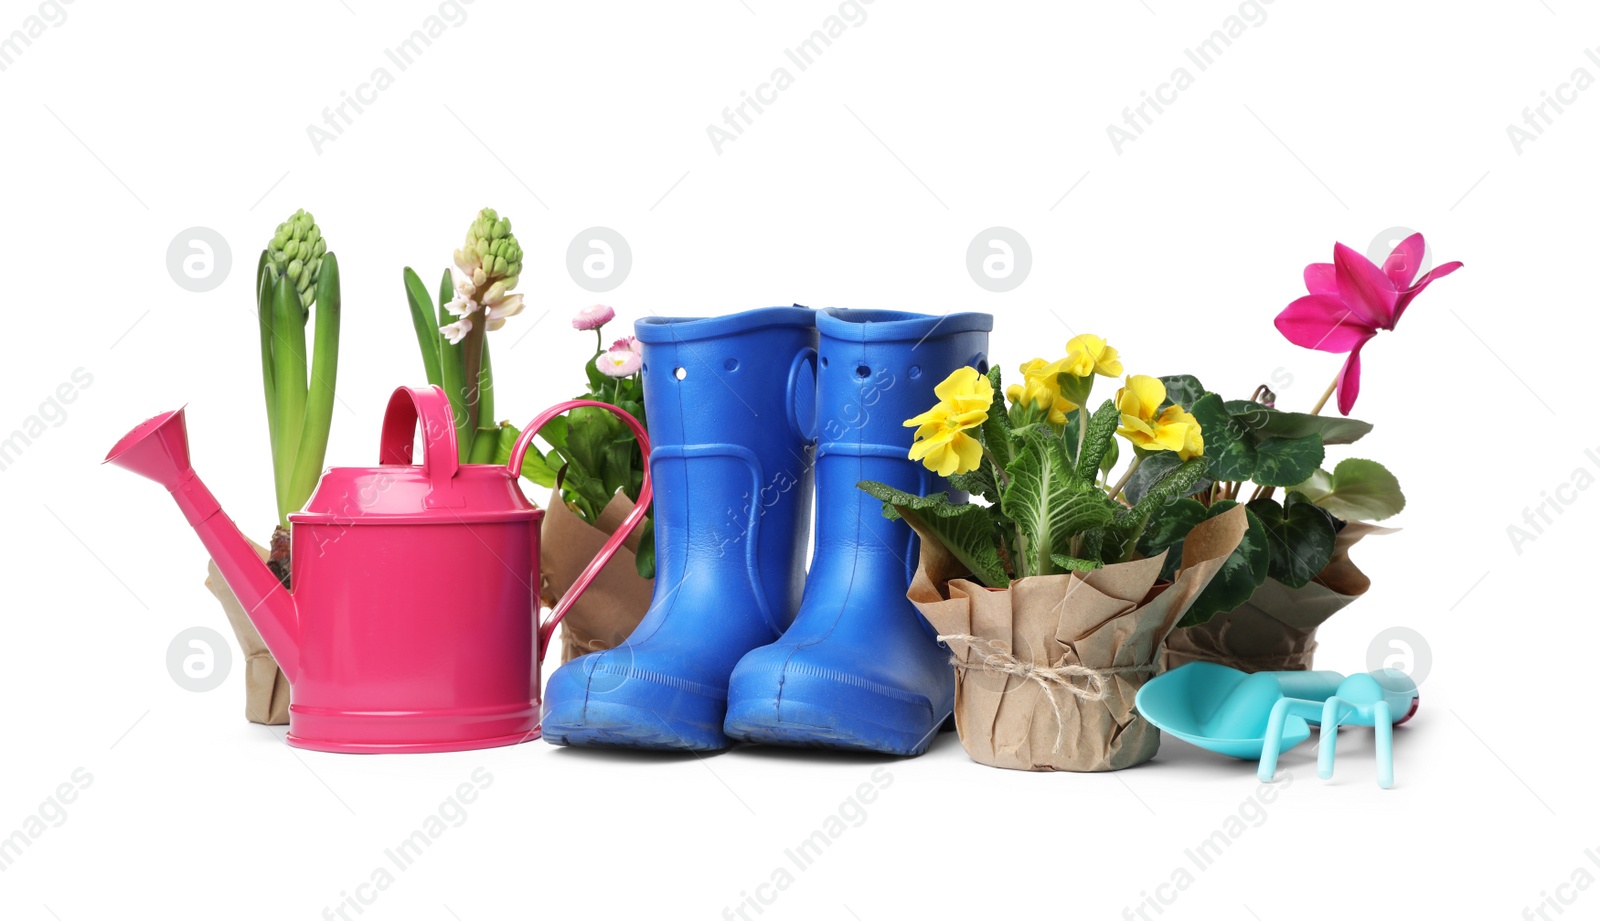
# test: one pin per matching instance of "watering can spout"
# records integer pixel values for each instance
(158, 449)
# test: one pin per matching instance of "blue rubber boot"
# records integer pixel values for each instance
(859, 668)
(732, 408)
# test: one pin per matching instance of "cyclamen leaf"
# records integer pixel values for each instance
(1335, 430)
(1241, 574)
(1287, 461)
(1302, 538)
(1357, 490)
(1102, 426)
(1182, 389)
(1050, 503)
(966, 530)
(1166, 530)
(1250, 416)
(1232, 451)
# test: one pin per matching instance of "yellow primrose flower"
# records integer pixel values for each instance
(1088, 354)
(941, 441)
(1150, 428)
(1041, 389)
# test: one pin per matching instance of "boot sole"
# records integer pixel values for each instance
(605, 724)
(806, 725)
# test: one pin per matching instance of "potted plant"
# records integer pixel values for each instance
(1301, 572)
(592, 460)
(296, 277)
(595, 467)
(1054, 617)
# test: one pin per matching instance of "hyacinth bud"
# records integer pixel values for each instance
(491, 253)
(296, 253)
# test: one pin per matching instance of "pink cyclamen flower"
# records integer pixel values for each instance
(593, 317)
(619, 362)
(1350, 300)
(627, 344)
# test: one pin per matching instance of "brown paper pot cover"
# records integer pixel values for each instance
(617, 599)
(1276, 630)
(1113, 618)
(266, 690)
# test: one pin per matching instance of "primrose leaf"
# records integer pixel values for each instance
(1074, 564)
(1050, 503)
(1097, 441)
(1154, 467)
(997, 428)
(966, 530)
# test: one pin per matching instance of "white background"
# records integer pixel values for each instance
(861, 186)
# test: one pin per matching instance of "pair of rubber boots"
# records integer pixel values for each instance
(739, 643)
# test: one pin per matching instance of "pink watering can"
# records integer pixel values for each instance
(411, 623)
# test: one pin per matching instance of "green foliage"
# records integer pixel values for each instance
(1287, 461)
(1097, 440)
(1241, 574)
(1049, 502)
(1301, 538)
(1166, 530)
(1050, 508)
(996, 430)
(965, 530)
(294, 274)
(1357, 489)
(1182, 389)
(1155, 467)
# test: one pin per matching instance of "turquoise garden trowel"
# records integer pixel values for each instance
(1258, 716)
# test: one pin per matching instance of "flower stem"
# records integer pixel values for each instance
(1326, 394)
(471, 365)
(1116, 490)
(1083, 430)
(1000, 475)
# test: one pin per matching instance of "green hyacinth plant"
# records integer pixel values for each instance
(297, 277)
(451, 332)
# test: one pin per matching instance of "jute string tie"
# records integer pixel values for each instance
(995, 656)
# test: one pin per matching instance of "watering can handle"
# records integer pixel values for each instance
(614, 542)
(439, 461)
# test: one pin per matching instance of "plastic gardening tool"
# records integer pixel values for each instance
(1380, 699)
(732, 407)
(412, 624)
(860, 669)
(1260, 715)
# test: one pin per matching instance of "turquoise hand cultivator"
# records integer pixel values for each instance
(1248, 716)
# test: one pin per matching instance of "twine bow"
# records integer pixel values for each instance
(997, 657)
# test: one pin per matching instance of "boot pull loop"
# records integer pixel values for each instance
(802, 404)
(641, 508)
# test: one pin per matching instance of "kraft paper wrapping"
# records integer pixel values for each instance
(266, 690)
(1276, 630)
(616, 601)
(1080, 636)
